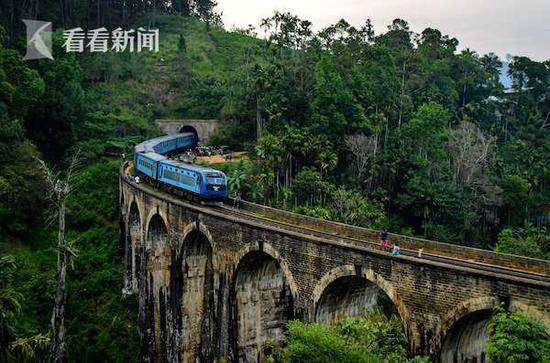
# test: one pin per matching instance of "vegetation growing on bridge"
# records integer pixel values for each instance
(397, 130)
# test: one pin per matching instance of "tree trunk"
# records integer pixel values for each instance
(401, 95)
(258, 120)
(58, 316)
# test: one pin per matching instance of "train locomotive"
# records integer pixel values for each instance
(151, 160)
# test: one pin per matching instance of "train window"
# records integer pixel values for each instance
(214, 175)
(172, 175)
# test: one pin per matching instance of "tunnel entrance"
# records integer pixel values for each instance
(263, 304)
(350, 296)
(191, 129)
(466, 341)
(194, 290)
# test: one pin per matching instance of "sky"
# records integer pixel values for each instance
(516, 27)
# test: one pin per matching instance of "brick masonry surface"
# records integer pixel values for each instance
(213, 285)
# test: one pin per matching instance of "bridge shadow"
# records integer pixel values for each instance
(467, 339)
(262, 304)
(348, 297)
(192, 301)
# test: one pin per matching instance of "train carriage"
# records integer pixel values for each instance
(186, 141)
(207, 183)
(147, 163)
(182, 177)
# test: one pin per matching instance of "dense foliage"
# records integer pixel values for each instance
(397, 130)
(94, 14)
(530, 242)
(371, 338)
(418, 134)
(517, 337)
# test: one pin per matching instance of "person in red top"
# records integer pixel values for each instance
(384, 239)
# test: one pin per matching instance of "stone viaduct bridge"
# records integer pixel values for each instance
(214, 282)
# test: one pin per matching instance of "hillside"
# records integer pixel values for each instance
(188, 77)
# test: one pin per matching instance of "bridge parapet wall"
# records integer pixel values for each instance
(413, 243)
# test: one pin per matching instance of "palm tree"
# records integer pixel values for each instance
(256, 193)
(235, 179)
(327, 161)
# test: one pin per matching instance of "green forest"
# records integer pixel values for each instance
(398, 130)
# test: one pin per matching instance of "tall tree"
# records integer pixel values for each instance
(60, 188)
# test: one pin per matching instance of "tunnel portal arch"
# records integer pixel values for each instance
(190, 129)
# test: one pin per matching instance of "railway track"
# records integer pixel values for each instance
(374, 246)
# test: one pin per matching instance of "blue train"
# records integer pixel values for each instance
(150, 160)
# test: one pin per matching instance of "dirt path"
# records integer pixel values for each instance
(217, 159)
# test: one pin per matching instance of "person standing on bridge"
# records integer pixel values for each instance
(384, 239)
(237, 200)
(396, 249)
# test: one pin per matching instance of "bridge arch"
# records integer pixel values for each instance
(131, 200)
(193, 294)
(122, 201)
(464, 308)
(157, 257)
(367, 274)
(200, 227)
(262, 302)
(362, 278)
(466, 325)
(133, 216)
(273, 253)
(463, 332)
(157, 231)
(133, 240)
